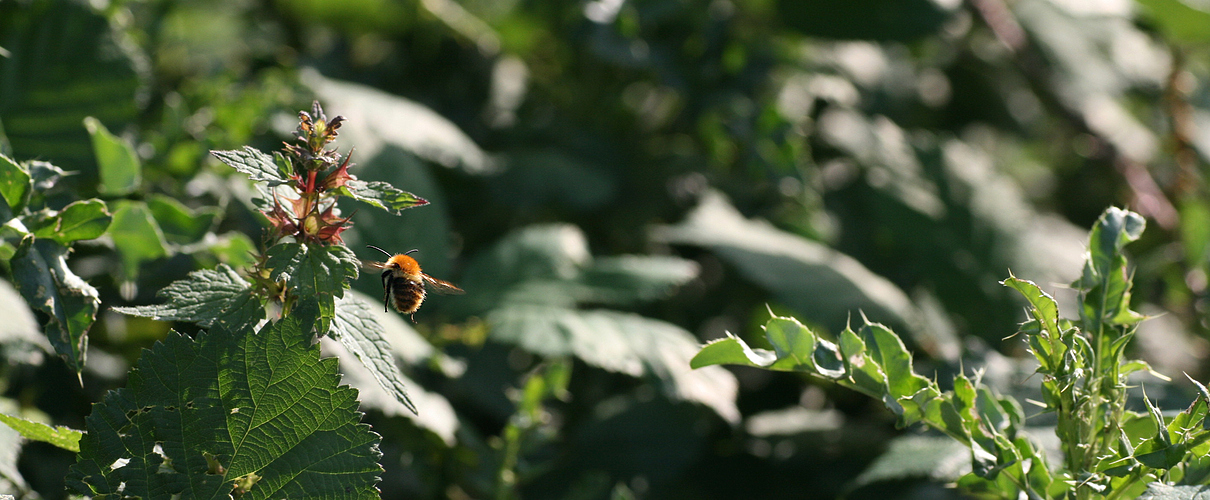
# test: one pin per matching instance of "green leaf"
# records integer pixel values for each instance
(63, 437)
(313, 269)
(15, 184)
(820, 283)
(732, 350)
(892, 356)
(382, 195)
(209, 297)
(937, 458)
(619, 342)
(117, 162)
(1161, 491)
(626, 279)
(80, 220)
(259, 166)
(40, 271)
(1042, 306)
(1181, 21)
(181, 225)
(69, 64)
(260, 412)
(137, 236)
(356, 329)
(377, 120)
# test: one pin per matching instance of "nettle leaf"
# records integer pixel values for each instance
(137, 236)
(382, 195)
(228, 414)
(63, 437)
(819, 282)
(117, 162)
(259, 166)
(209, 297)
(80, 220)
(619, 342)
(15, 184)
(1161, 491)
(356, 329)
(40, 271)
(313, 269)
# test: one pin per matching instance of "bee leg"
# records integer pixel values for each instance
(413, 316)
(386, 293)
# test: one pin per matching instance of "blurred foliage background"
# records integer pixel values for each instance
(616, 181)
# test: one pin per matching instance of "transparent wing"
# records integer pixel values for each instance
(371, 264)
(441, 287)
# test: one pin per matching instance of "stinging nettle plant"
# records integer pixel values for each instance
(248, 408)
(1108, 451)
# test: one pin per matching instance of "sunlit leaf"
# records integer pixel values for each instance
(63, 437)
(80, 220)
(382, 195)
(313, 269)
(258, 166)
(822, 284)
(361, 335)
(377, 119)
(260, 412)
(117, 163)
(209, 297)
(15, 184)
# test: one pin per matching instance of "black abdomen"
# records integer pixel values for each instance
(406, 294)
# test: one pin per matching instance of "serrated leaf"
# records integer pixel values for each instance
(15, 184)
(179, 223)
(1042, 306)
(732, 350)
(258, 166)
(356, 329)
(382, 195)
(260, 411)
(892, 356)
(1161, 491)
(208, 297)
(619, 342)
(80, 220)
(117, 163)
(313, 269)
(137, 236)
(40, 271)
(822, 284)
(63, 437)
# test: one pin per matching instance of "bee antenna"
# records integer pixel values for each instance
(412, 250)
(379, 249)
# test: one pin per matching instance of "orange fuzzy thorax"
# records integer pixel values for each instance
(404, 263)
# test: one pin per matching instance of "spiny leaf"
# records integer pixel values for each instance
(207, 297)
(259, 166)
(48, 285)
(260, 412)
(732, 350)
(80, 220)
(355, 327)
(382, 195)
(63, 437)
(1042, 305)
(117, 162)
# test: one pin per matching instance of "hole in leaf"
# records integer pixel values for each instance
(119, 463)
